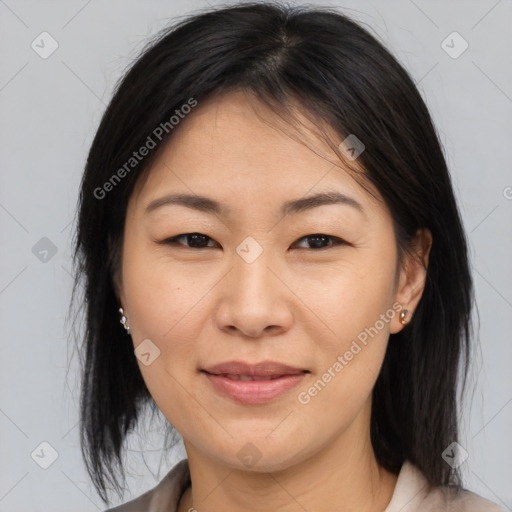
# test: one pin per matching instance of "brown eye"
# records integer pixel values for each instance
(200, 241)
(321, 241)
(193, 240)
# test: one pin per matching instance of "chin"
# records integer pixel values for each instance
(259, 456)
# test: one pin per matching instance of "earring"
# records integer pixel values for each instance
(403, 314)
(123, 321)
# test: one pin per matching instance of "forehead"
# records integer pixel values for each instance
(236, 149)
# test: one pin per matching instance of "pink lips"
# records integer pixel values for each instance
(253, 384)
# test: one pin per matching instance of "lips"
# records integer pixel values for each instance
(255, 392)
(249, 377)
(264, 370)
(253, 384)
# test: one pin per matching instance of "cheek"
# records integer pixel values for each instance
(350, 296)
(158, 291)
(168, 310)
(354, 310)
(357, 309)
(165, 308)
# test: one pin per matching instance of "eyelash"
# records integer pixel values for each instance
(337, 241)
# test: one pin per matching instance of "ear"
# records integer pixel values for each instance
(412, 276)
(114, 262)
(119, 290)
(117, 283)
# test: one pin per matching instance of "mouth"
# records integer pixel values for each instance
(264, 370)
(247, 378)
(247, 388)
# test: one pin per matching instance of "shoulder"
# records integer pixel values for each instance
(453, 501)
(165, 496)
(412, 494)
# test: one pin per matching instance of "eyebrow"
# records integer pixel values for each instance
(208, 205)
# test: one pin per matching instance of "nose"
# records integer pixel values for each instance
(254, 301)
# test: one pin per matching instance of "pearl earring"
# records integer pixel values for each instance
(123, 321)
(403, 314)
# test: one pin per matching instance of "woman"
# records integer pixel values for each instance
(273, 257)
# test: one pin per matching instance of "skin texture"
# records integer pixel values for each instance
(294, 304)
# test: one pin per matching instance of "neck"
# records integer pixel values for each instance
(343, 476)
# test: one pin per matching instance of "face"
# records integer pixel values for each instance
(312, 288)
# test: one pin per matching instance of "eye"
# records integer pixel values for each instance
(318, 241)
(196, 240)
(200, 241)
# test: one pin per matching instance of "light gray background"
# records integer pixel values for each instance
(50, 109)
